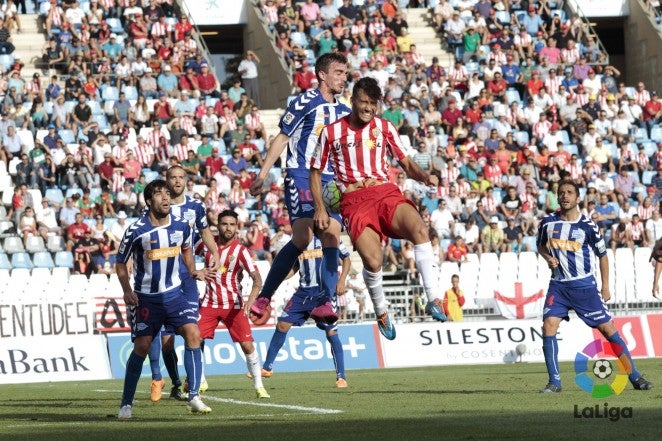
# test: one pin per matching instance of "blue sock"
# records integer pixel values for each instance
(134, 367)
(170, 360)
(329, 273)
(550, 348)
(193, 366)
(338, 356)
(155, 358)
(277, 342)
(280, 267)
(625, 356)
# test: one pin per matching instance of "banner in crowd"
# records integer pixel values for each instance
(25, 318)
(62, 357)
(305, 349)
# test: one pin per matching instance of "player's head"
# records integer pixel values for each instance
(331, 72)
(157, 197)
(568, 194)
(227, 225)
(365, 99)
(176, 177)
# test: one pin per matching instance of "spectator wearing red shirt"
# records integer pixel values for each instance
(473, 113)
(105, 170)
(652, 112)
(450, 115)
(249, 151)
(207, 82)
(534, 84)
(131, 167)
(189, 81)
(213, 164)
(304, 77)
(182, 27)
(457, 251)
(498, 87)
(163, 111)
(76, 231)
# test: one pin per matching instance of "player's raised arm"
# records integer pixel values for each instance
(276, 148)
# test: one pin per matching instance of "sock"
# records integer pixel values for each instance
(329, 274)
(277, 342)
(624, 356)
(170, 360)
(280, 267)
(373, 281)
(193, 366)
(253, 364)
(134, 367)
(550, 349)
(338, 356)
(426, 267)
(155, 358)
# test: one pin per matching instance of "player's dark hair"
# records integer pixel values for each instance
(225, 213)
(370, 87)
(173, 167)
(569, 182)
(323, 63)
(150, 189)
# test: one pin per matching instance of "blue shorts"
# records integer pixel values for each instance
(585, 301)
(192, 295)
(298, 308)
(153, 312)
(299, 200)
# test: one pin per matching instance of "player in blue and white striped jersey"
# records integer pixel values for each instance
(300, 128)
(159, 244)
(303, 301)
(570, 242)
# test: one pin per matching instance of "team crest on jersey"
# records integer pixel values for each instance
(176, 237)
(231, 258)
(376, 132)
(189, 216)
(288, 118)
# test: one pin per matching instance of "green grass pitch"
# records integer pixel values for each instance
(497, 402)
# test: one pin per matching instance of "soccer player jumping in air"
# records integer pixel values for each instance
(357, 147)
(300, 127)
(570, 243)
(159, 243)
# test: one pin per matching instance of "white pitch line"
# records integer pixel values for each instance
(312, 410)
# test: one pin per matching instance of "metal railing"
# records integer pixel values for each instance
(573, 7)
(197, 37)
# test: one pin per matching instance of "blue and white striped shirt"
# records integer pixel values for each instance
(310, 262)
(576, 245)
(156, 252)
(303, 122)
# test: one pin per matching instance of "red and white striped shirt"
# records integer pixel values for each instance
(574, 170)
(581, 99)
(376, 28)
(642, 97)
(493, 173)
(118, 182)
(160, 29)
(56, 15)
(571, 56)
(224, 292)
(144, 154)
(541, 128)
(443, 191)
(645, 213)
(463, 189)
(636, 230)
(107, 4)
(490, 204)
(355, 155)
(179, 151)
(120, 152)
(187, 124)
(252, 122)
(450, 174)
(358, 29)
(460, 74)
(552, 85)
(642, 160)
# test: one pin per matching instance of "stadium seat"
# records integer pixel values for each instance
(72, 191)
(42, 275)
(565, 139)
(6, 183)
(77, 285)
(115, 25)
(27, 138)
(34, 244)
(656, 134)
(13, 244)
(503, 17)
(5, 264)
(522, 137)
(21, 260)
(55, 195)
(5, 277)
(649, 148)
(131, 92)
(530, 243)
(110, 93)
(6, 226)
(20, 277)
(60, 275)
(647, 177)
(95, 106)
(65, 259)
(641, 134)
(512, 95)
(572, 149)
(43, 259)
(67, 136)
(299, 38)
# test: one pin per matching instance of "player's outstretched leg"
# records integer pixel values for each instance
(280, 267)
(424, 258)
(277, 342)
(338, 357)
(637, 380)
(253, 364)
(193, 366)
(374, 283)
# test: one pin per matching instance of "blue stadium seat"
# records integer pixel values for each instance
(6, 61)
(530, 242)
(656, 133)
(102, 121)
(299, 38)
(115, 25)
(4, 262)
(503, 17)
(68, 136)
(55, 195)
(512, 95)
(641, 135)
(131, 92)
(565, 139)
(21, 260)
(634, 175)
(647, 178)
(71, 191)
(13, 244)
(64, 259)
(559, 12)
(649, 148)
(572, 149)
(43, 259)
(110, 93)
(522, 137)
(95, 107)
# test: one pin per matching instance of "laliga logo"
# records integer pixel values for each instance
(602, 369)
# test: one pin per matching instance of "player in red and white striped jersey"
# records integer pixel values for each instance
(357, 148)
(223, 301)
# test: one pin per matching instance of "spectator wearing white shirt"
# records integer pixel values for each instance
(654, 227)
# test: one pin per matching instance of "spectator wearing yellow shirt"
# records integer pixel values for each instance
(454, 300)
(404, 41)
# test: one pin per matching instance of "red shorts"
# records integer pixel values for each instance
(372, 207)
(233, 319)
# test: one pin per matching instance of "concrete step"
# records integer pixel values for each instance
(29, 23)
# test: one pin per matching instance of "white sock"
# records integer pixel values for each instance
(374, 282)
(425, 263)
(253, 363)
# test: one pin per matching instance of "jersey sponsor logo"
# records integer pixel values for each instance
(565, 245)
(311, 254)
(162, 253)
(369, 143)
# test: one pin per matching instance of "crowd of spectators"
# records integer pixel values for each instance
(530, 100)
